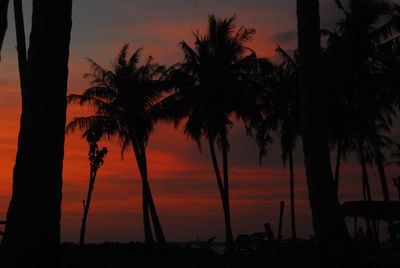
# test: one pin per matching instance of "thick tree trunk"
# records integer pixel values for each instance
(292, 206)
(223, 190)
(37, 180)
(330, 230)
(93, 173)
(3, 21)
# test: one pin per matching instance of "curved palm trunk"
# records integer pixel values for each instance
(33, 218)
(330, 230)
(148, 202)
(86, 206)
(292, 206)
(223, 187)
(156, 221)
(148, 235)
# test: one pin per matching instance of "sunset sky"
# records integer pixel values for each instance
(182, 179)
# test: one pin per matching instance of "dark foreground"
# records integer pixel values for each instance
(187, 255)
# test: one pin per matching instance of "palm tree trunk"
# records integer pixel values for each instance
(37, 178)
(365, 179)
(21, 44)
(3, 21)
(330, 230)
(148, 235)
(382, 176)
(366, 188)
(224, 198)
(292, 206)
(156, 222)
(381, 170)
(148, 202)
(93, 173)
(227, 211)
(337, 168)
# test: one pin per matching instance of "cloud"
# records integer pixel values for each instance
(286, 37)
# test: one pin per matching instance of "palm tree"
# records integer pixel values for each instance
(329, 226)
(218, 77)
(124, 98)
(280, 112)
(359, 61)
(357, 40)
(96, 158)
(33, 217)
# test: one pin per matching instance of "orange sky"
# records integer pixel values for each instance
(181, 178)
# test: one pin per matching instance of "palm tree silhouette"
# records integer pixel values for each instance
(218, 77)
(96, 158)
(280, 112)
(356, 45)
(124, 98)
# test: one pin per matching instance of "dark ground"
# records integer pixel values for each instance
(191, 255)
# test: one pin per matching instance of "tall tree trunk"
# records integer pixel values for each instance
(365, 180)
(227, 210)
(148, 234)
(330, 230)
(229, 247)
(381, 170)
(86, 207)
(3, 21)
(366, 188)
(292, 206)
(156, 221)
(382, 176)
(21, 43)
(148, 202)
(33, 218)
